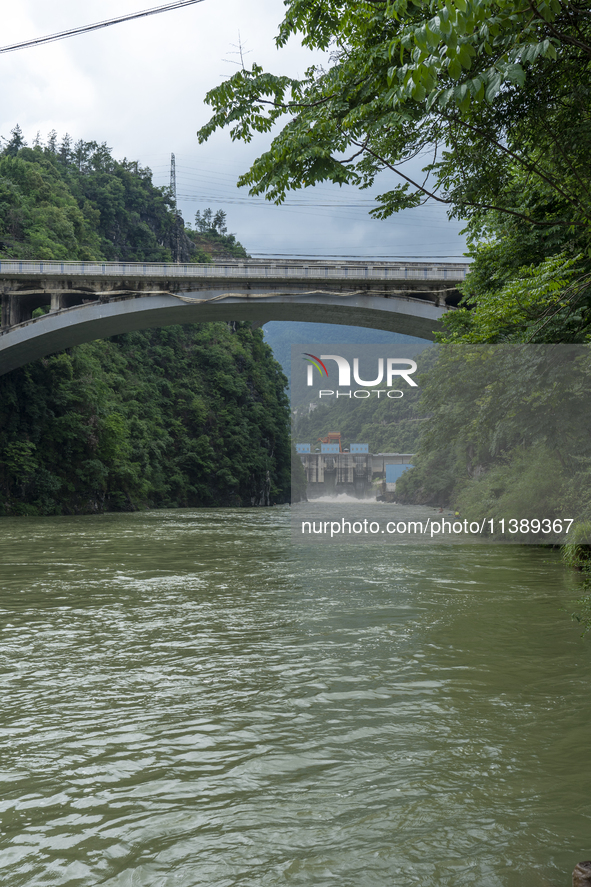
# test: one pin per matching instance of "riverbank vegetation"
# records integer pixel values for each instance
(577, 556)
(183, 416)
(507, 432)
(192, 415)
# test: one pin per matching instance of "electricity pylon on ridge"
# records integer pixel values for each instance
(176, 250)
(173, 177)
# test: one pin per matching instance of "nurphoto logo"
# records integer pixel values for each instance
(392, 368)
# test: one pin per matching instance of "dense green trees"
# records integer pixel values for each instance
(507, 433)
(184, 416)
(524, 285)
(76, 202)
(39, 215)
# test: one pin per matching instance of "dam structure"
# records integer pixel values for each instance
(50, 306)
(355, 472)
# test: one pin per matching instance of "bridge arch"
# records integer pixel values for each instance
(56, 331)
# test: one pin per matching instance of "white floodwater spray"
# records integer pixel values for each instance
(343, 499)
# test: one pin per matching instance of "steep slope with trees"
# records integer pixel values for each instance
(184, 416)
(73, 202)
(212, 239)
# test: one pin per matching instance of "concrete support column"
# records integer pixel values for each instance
(14, 310)
(5, 311)
(56, 301)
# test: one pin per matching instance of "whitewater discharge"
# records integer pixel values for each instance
(344, 499)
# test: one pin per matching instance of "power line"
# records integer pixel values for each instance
(210, 178)
(73, 32)
(251, 201)
(315, 210)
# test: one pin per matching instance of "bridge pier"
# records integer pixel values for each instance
(18, 307)
(14, 310)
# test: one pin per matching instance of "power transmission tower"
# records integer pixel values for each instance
(173, 177)
(176, 250)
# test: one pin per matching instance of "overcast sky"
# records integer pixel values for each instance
(139, 86)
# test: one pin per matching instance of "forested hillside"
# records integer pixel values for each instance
(184, 416)
(66, 201)
(509, 437)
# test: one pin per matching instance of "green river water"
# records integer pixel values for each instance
(188, 698)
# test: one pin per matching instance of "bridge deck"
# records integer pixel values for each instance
(83, 301)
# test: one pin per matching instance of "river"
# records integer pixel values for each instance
(188, 698)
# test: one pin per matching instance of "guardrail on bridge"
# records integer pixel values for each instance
(255, 268)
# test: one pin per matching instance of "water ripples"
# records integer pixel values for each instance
(188, 699)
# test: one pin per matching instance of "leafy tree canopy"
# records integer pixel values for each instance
(487, 88)
(493, 93)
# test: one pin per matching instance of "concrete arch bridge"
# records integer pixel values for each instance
(93, 300)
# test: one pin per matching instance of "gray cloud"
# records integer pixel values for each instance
(139, 86)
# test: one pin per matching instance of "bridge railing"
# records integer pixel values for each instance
(242, 270)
